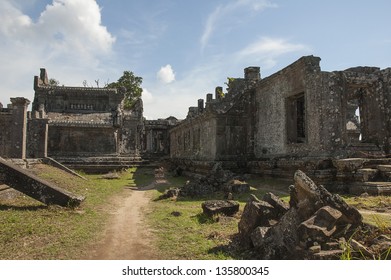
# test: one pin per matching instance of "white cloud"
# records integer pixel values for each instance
(224, 12)
(205, 75)
(269, 49)
(67, 37)
(147, 96)
(166, 74)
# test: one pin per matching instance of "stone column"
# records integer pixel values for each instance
(252, 73)
(218, 93)
(200, 105)
(18, 130)
(37, 140)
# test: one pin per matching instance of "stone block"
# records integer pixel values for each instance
(37, 188)
(280, 207)
(366, 174)
(225, 207)
(384, 168)
(258, 235)
(349, 164)
(237, 186)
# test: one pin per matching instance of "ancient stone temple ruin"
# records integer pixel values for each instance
(335, 126)
(83, 127)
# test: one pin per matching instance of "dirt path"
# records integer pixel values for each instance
(127, 237)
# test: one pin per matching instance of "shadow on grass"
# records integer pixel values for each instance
(5, 207)
(204, 219)
(233, 249)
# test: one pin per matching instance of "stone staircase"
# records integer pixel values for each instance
(100, 164)
(364, 150)
(364, 175)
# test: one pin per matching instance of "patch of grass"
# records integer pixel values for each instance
(192, 235)
(368, 202)
(189, 235)
(32, 230)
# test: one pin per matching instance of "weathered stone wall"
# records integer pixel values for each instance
(274, 118)
(5, 137)
(386, 78)
(194, 139)
(84, 122)
(82, 141)
(37, 137)
(13, 129)
(129, 137)
(298, 118)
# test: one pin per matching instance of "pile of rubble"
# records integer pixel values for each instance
(217, 180)
(315, 225)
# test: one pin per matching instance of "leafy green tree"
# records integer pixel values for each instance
(54, 82)
(130, 85)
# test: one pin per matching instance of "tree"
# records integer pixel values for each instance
(54, 82)
(130, 85)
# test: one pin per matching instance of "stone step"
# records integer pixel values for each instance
(349, 164)
(372, 188)
(366, 174)
(384, 168)
(367, 150)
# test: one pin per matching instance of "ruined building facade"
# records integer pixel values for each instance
(86, 121)
(80, 126)
(298, 118)
(335, 126)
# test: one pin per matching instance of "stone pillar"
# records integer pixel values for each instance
(18, 130)
(252, 73)
(219, 93)
(43, 75)
(37, 140)
(209, 97)
(200, 105)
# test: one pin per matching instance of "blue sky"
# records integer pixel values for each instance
(183, 49)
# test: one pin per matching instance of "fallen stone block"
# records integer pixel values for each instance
(225, 207)
(37, 188)
(321, 226)
(280, 207)
(237, 186)
(258, 235)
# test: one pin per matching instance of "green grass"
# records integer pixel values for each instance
(192, 235)
(31, 230)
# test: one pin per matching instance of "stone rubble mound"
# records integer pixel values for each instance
(311, 227)
(217, 180)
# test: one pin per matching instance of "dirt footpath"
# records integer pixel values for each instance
(127, 237)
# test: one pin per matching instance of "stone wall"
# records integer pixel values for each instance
(37, 137)
(277, 120)
(5, 137)
(300, 117)
(84, 122)
(13, 127)
(81, 141)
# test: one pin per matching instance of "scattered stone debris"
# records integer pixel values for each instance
(170, 193)
(305, 230)
(215, 207)
(215, 181)
(111, 176)
(237, 186)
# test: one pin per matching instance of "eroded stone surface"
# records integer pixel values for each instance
(315, 218)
